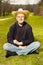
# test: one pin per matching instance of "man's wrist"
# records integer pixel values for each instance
(21, 43)
(14, 41)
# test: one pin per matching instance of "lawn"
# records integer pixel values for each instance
(32, 59)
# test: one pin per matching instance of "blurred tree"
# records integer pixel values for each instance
(38, 9)
(41, 7)
(5, 7)
(0, 6)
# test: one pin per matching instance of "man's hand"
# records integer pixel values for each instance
(22, 47)
(17, 42)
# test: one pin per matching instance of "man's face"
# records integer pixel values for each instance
(20, 18)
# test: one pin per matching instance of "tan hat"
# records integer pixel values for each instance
(20, 10)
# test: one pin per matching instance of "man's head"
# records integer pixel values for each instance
(20, 15)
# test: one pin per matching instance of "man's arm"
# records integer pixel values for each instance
(10, 35)
(30, 37)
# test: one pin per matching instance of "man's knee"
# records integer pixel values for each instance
(5, 46)
(37, 44)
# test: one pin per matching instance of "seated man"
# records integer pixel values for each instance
(20, 37)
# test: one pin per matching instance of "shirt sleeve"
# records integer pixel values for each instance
(10, 35)
(30, 37)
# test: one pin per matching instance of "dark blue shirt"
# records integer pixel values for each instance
(22, 34)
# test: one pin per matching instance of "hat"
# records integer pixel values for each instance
(20, 10)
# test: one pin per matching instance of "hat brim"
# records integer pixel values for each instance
(25, 12)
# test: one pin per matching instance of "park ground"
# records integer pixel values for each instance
(32, 59)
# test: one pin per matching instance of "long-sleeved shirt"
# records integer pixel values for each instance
(22, 34)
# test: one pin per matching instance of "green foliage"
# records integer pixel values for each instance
(32, 59)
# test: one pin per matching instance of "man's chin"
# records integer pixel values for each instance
(21, 22)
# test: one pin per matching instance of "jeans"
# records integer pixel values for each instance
(30, 48)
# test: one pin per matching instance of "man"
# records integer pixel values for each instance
(20, 37)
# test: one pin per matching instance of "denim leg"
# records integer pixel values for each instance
(32, 47)
(11, 47)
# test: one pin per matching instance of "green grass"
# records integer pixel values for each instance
(32, 59)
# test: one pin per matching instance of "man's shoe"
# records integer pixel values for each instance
(35, 52)
(8, 54)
